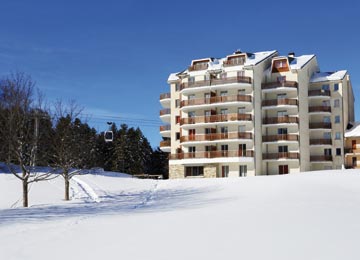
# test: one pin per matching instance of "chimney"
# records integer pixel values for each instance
(238, 51)
(291, 55)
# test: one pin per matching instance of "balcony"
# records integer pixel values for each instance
(165, 143)
(214, 82)
(281, 155)
(212, 154)
(320, 109)
(218, 136)
(214, 100)
(321, 158)
(319, 93)
(216, 118)
(234, 62)
(165, 128)
(280, 137)
(280, 102)
(200, 66)
(352, 150)
(280, 120)
(320, 142)
(165, 100)
(320, 125)
(165, 96)
(283, 84)
(164, 112)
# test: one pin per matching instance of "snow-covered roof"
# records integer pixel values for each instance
(257, 57)
(173, 77)
(300, 61)
(327, 76)
(354, 131)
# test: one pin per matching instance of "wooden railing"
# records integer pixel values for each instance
(164, 96)
(165, 111)
(212, 154)
(320, 158)
(216, 136)
(202, 66)
(320, 125)
(320, 109)
(320, 141)
(272, 85)
(284, 155)
(280, 120)
(280, 137)
(212, 82)
(215, 118)
(351, 150)
(217, 99)
(165, 143)
(319, 92)
(165, 128)
(279, 102)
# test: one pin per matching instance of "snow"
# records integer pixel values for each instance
(298, 62)
(313, 215)
(354, 131)
(173, 77)
(257, 57)
(328, 76)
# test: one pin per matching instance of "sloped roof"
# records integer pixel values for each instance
(328, 76)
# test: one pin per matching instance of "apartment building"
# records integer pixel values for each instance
(255, 114)
(352, 147)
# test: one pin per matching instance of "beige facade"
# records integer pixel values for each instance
(352, 147)
(255, 114)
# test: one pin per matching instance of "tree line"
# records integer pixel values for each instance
(33, 136)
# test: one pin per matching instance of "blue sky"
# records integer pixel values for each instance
(114, 57)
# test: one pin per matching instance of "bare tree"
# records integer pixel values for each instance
(20, 117)
(67, 150)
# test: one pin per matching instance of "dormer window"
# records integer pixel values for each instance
(199, 65)
(280, 65)
(235, 60)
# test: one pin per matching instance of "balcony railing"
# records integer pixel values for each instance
(215, 118)
(218, 99)
(234, 62)
(165, 111)
(319, 92)
(164, 96)
(351, 150)
(280, 102)
(320, 109)
(165, 143)
(217, 136)
(165, 128)
(320, 141)
(273, 85)
(321, 158)
(320, 125)
(202, 66)
(281, 155)
(280, 137)
(281, 120)
(212, 154)
(212, 82)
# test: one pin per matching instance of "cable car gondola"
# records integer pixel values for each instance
(109, 135)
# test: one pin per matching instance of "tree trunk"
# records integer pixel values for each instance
(67, 188)
(25, 193)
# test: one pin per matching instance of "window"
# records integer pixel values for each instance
(177, 103)
(283, 169)
(282, 131)
(177, 86)
(224, 150)
(337, 119)
(336, 87)
(224, 111)
(337, 135)
(325, 87)
(194, 171)
(224, 129)
(241, 110)
(326, 119)
(207, 95)
(177, 119)
(338, 151)
(207, 113)
(223, 93)
(177, 135)
(336, 103)
(191, 97)
(241, 73)
(242, 149)
(242, 128)
(207, 77)
(192, 149)
(281, 96)
(191, 79)
(327, 135)
(281, 113)
(327, 152)
(225, 171)
(241, 92)
(191, 114)
(242, 170)
(207, 131)
(281, 79)
(283, 149)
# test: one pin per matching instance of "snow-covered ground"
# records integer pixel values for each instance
(307, 216)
